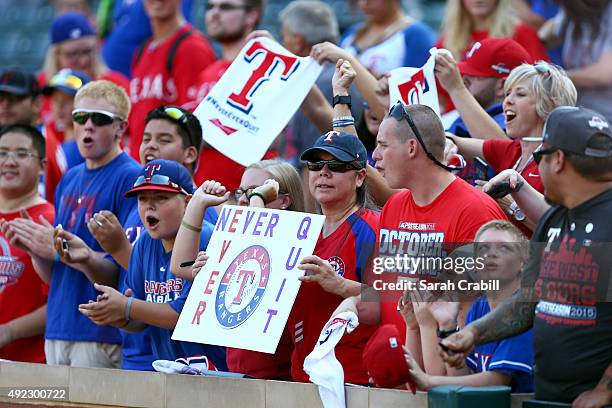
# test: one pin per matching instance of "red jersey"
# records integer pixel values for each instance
(453, 217)
(56, 162)
(504, 154)
(349, 249)
(152, 85)
(21, 290)
(212, 164)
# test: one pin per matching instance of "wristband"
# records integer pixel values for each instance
(256, 194)
(343, 118)
(190, 227)
(342, 100)
(128, 308)
(343, 124)
(442, 334)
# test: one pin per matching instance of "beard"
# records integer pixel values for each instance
(224, 36)
(550, 201)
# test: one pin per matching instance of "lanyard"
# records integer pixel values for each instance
(515, 167)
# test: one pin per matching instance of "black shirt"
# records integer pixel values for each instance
(570, 267)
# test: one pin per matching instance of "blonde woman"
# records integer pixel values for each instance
(469, 21)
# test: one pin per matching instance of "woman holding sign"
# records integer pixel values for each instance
(271, 184)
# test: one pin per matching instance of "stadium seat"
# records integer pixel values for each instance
(458, 396)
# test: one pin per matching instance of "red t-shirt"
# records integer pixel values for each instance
(212, 164)
(504, 154)
(56, 162)
(349, 249)
(266, 366)
(21, 290)
(152, 86)
(453, 217)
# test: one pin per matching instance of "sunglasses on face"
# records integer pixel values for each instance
(158, 180)
(179, 116)
(538, 154)
(398, 113)
(99, 118)
(225, 6)
(335, 166)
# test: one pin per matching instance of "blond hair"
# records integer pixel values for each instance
(549, 83)
(458, 25)
(51, 63)
(108, 91)
(288, 179)
(506, 226)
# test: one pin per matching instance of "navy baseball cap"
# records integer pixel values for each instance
(572, 129)
(343, 146)
(163, 175)
(19, 83)
(70, 26)
(68, 81)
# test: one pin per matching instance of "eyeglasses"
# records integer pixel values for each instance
(68, 80)
(17, 155)
(398, 113)
(226, 6)
(98, 117)
(159, 180)
(179, 116)
(240, 191)
(538, 154)
(73, 55)
(335, 166)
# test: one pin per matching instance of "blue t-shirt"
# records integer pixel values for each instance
(81, 193)
(150, 279)
(512, 356)
(73, 156)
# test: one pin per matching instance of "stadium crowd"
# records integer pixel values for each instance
(107, 186)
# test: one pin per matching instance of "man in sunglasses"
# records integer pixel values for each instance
(100, 113)
(565, 292)
(228, 22)
(163, 189)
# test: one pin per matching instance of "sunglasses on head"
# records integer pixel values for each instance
(398, 112)
(335, 166)
(98, 117)
(158, 180)
(179, 116)
(544, 69)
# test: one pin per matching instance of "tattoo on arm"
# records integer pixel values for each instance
(512, 317)
(606, 379)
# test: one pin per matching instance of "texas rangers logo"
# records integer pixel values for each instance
(152, 168)
(338, 264)
(413, 90)
(11, 268)
(242, 287)
(329, 135)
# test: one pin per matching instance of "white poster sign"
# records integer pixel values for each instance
(254, 100)
(415, 85)
(243, 296)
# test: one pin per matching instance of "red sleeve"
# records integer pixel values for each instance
(498, 153)
(117, 78)
(186, 71)
(56, 164)
(528, 38)
(488, 210)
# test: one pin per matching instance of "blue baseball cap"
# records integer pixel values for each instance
(68, 81)
(163, 175)
(70, 26)
(343, 146)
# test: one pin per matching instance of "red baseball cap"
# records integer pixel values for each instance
(384, 359)
(494, 57)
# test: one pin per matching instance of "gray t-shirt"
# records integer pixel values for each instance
(584, 52)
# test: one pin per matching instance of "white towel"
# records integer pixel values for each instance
(322, 365)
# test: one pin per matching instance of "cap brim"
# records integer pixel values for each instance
(151, 187)
(338, 154)
(466, 69)
(14, 90)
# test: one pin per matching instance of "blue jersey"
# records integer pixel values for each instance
(150, 279)
(81, 193)
(512, 356)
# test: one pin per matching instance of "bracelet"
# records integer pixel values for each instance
(128, 308)
(343, 124)
(442, 334)
(342, 118)
(190, 227)
(257, 194)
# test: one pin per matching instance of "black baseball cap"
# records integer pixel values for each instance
(343, 146)
(572, 129)
(19, 83)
